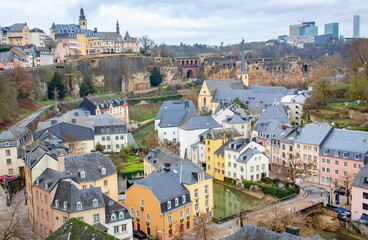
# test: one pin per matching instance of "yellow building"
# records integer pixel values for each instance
(170, 197)
(18, 34)
(215, 140)
(156, 160)
(82, 44)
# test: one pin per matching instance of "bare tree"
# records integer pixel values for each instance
(73, 142)
(146, 43)
(202, 227)
(348, 179)
(11, 224)
(297, 168)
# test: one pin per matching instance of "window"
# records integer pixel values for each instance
(82, 174)
(328, 170)
(10, 171)
(103, 138)
(323, 169)
(121, 136)
(263, 166)
(323, 160)
(309, 148)
(113, 216)
(365, 206)
(176, 202)
(336, 163)
(138, 214)
(336, 153)
(257, 168)
(251, 177)
(108, 138)
(315, 158)
(95, 202)
(187, 211)
(336, 171)
(132, 212)
(229, 164)
(65, 219)
(116, 137)
(234, 165)
(196, 193)
(305, 147)
(56, 202)
(84, 186)
(169, 219)
(116, 229)
(355, 165)
(252, 169)
(38, 211)
(84, 146)
(181, 214)
(323, 179)
(345, 173)
(315, 149)
(206, 203)
(123, 228)
(196, 207)
(7, 152)
(298, 146)
(345, 155)
(148, 217)
(105, 183)
(359, 166)
(169, 205)
(96, 218)
(242, 169)
(327, 161)
(365, 195)
(79, 205)
(65, 205)
(183, 199)
(142, 202)
(8, 161)
(357, 156)
(201, 176)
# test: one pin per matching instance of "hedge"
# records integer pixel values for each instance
(274, 191)
(247, 183)
(229, 181)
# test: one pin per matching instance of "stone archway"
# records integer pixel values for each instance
(189, 74)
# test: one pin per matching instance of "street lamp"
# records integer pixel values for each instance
(237, 201)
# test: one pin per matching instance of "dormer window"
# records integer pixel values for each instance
(37, 181)
(121, 215)
(82, 174)
(79, 205)
(113, 216)
(95, 202)
(325, 151)
(56, 203)
(183, 199)
(169, 205)
(200, 176)
(336, 153)
(366, 180)
(346, 154)
(176, 202)
(357, 156)
(103, 171)
(65, 205)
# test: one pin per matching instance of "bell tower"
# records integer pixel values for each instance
(243, 74)
(82, 20)
(117, 27)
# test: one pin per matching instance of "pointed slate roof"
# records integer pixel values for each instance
(200, 122)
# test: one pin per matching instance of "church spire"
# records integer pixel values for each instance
(117, 27)
(81, 15)
(243, 68)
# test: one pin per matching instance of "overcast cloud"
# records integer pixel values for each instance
(191, 21)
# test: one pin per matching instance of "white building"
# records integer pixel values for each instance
(37, 37)
(295, 104)
(245, 160)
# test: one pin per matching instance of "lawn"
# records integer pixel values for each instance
(143, 131)
(143, 112)
(133, 167)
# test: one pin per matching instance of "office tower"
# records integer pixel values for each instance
(332, 28)
(356, 26)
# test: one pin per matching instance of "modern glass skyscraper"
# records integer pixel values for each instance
(332, 28)
(356, 26)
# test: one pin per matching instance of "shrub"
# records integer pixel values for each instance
(274, 191)
(229, 181)
(247, 183)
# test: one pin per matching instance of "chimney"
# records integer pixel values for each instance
(61, 162)
(167, 167)
(186, 104)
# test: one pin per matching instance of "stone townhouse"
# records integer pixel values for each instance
(12, 145)
(342, 154)
(245, 160)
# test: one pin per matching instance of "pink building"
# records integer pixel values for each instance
(359, 205)
(342, 154)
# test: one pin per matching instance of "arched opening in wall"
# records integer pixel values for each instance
(191, 62)
(187, 62)
(93, 64)
(189, 74)
(182, 63)
(195, 62)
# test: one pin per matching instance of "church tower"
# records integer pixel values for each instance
(117, 27)
(243, 75)
(82, 20)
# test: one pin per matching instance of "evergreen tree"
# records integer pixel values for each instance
(86, 87)
(156, 77)
(56, 83)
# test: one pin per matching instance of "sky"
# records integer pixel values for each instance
(190, 21)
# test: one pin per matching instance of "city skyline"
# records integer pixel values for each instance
(207, 22)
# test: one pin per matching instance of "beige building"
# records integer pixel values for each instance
(12, 143)
(18, 34)
(295, 104)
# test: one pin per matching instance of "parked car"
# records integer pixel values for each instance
(138, 234)
(344, 216)
(340, 191)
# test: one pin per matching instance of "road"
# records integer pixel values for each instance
(25, 121)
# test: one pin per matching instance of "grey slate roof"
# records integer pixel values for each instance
(101, 103)
(113, 207)
(50, 178)
(350, 142)
(106, 119)
(17, 27)
(32, 157)
(12, 135)
(50, 142)
(238, 144)
(189, 171)
(68, 125)
(247, 155)
(271, 114)
(200, 122)
(90, 163)
(169, 106)
(275, 131)
(221, 151)
(220, 133)
(158, 157)
(251, 232)
(313, 133)
(237, 119)
(68, 192)
(231, 83)
(173, 118)
(359, 180)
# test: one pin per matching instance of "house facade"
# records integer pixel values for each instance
(359, 204)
